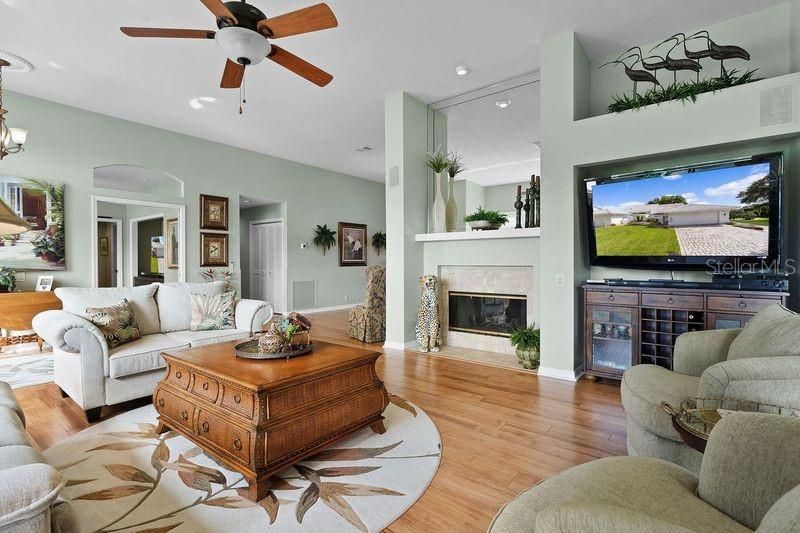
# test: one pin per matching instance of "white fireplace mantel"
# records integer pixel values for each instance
(479, 235)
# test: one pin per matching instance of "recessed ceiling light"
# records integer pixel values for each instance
(502, 104)
(462, 70)
(362, 149)
(246, 201)
(201, 101)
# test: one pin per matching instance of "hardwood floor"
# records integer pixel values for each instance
(502, 431)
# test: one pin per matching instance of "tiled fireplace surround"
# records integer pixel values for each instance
(488, 280)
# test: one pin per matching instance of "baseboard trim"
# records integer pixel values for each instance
(399, 345)
(557, 373)
(331, 308)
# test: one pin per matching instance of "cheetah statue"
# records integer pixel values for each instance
(428, 330)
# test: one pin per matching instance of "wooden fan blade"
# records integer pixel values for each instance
(219, 10)
(232, 76)
(314, 18)
(301, 67)
(168, 32)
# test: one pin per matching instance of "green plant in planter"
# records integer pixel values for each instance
(494, 218)
(438, 161)
(8, 280)
(455, 164)
(526, 343)
(324, 237)
(379, 242)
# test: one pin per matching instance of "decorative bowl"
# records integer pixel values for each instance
(250, 350)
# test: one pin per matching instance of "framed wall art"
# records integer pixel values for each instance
(352, 244)
(213, 250)
(213, 212)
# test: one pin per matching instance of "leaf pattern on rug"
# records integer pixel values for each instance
(220, 493)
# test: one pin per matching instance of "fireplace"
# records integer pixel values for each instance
(496, 315)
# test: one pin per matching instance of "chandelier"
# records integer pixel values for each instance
(11, 139)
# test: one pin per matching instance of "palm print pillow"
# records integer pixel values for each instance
(117, 323)
(212, 311)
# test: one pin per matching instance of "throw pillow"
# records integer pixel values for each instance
(772, 332)
(212, 311)
(117, 323)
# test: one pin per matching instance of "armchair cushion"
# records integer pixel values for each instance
(12, 432)
(773, 332)
(770, 380)
(7, 399)
(643, 389)
(76, 300)
(784, 515)
(204, 338)
(697, 350)
(631, 486)
(17, 455)
(142, 355)
(749, 464)
(28, 491)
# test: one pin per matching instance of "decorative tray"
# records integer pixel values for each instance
(249, 350)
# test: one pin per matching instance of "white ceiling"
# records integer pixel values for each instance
(380, 46)
(135, 178)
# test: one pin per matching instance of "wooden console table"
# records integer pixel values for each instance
(626, 326)
(17, 310)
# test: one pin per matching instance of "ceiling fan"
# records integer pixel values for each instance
(244, 36)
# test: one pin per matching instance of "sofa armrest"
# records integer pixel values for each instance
(54, 326)
(590, 517)
(768, 380)
(27, 491)
(250, 315)
(697, 350)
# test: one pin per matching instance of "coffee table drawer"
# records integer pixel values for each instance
(178, 376)
(174, 408)
(238, 401)
(298, 397)
(678, 301)
(232, 439)
(205, 387)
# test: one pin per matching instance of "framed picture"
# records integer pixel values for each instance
(33, 237)
(104, 246)
(213, 250)
(44, 284)
(171, 231)
(213, 212)
(352, 244)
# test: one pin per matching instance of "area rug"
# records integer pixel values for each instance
(25, 370)
(125, 477)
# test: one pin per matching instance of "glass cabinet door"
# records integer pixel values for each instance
(611, 338)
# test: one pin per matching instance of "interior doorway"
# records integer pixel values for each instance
(267, 260)
(109, 252)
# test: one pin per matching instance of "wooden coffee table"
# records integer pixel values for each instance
(258, 417)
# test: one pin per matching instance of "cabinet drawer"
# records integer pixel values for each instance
(739, 305)
(205, 387)
(174, 408)
(178, 376)
(238, 401)
(677, 301)
(616, 298)
(229, 438)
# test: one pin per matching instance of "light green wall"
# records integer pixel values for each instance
(574, 146)
(66, 144)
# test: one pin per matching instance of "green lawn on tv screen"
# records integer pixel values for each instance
(636, 240)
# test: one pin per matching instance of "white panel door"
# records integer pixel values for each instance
(266, 263)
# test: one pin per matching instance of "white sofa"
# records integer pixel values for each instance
(94, 375)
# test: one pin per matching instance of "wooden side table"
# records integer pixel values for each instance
(17, 310)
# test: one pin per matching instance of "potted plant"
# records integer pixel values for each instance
(8, 280)
(8, 240)
(455, 166)
(483, 219)
(324, 238)
(526, 343)
(438, 163)
(379, 242)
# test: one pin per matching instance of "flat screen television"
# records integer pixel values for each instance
(708, 216)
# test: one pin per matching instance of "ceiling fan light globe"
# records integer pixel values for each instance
(18, 135)
(242, 46)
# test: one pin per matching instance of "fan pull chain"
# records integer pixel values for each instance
(242, 93)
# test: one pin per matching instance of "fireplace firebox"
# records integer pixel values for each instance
(486, 314)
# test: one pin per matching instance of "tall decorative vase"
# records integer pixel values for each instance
(439, 210)
(451, 211)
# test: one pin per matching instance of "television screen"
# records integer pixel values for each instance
(721, 212)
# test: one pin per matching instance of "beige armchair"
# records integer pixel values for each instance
(368, 320)
(747, 482)
(760, 363)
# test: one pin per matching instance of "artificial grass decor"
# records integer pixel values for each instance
(683, 90)
(632, 240)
